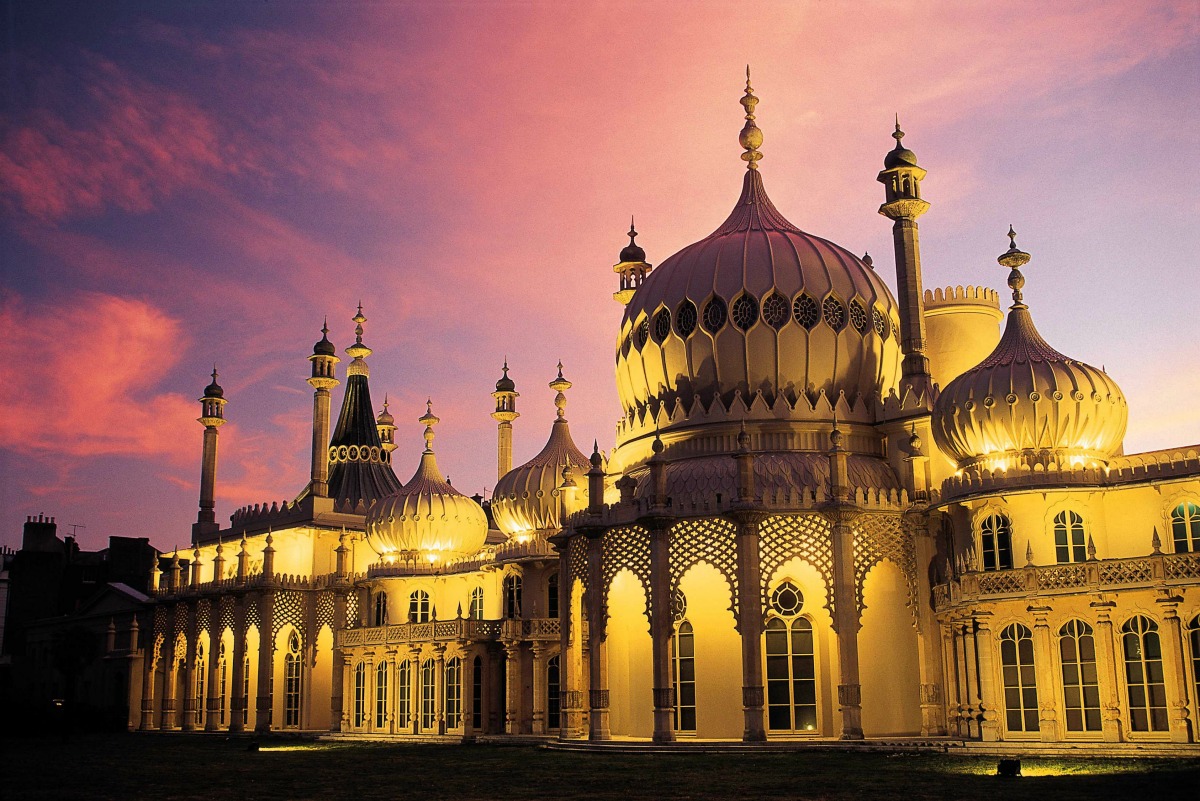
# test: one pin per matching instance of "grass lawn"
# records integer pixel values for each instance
(174, 767)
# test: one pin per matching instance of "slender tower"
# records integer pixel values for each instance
(212, 417)
(901, 177)
(506, 411)
(632, 268)
(385, 423)
(324, 358)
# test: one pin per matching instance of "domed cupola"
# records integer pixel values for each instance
(758, 306)
(527, 498)
(1026, 404)
(426, 520)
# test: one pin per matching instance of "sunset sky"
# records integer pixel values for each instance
(189, 183)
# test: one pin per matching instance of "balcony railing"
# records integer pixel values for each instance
(460, 629)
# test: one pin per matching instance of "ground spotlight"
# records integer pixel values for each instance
(1009, 768)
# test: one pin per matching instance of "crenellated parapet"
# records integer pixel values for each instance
(982, 296)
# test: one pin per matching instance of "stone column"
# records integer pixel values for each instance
(661, 629)
(468, 691)
(540, 658)
(933, 709)
(970, 678)
(439, 682)
(950, 671)
(212, 716)
(1108, 668)
(416, 694)
(1044, 662)
(1174, 670)
(237, 693)
(597, 656)
(989, 694)
(846, 620)
(190, 702)
(266, 660)
(347, 723)
(337, 681)
(149, 668)
(568, 676)
(170, 683)
(750, 624)
(512, 680)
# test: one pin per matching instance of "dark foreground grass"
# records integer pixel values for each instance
(176, 767)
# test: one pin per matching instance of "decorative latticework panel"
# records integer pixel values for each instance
(253, 618)
(225, 614)
(1057, 577)
(181, 617)
(625, 548)
(203, 615)
(1001, 582)
(352, 610)
(577, 559)
(879, 537)
(289, 610)
(710, 540)
(1183, 565)
(1126, 571)
(786, 537)
(161, 621)
(325, 609)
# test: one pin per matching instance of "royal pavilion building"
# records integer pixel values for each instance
(831, 511)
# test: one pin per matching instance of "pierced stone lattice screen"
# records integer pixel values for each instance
(225, 616)
(1183, 565)
(795, 536)
(181, 618)
(203, 615)
(160, 622)
(577, 559)
(289, 610)
(1001, 582)
(710, 541)
(625, 548)
(1057, 577)
(1128, 571)
(879, 537)
(325, 610)
(252, 616)
(352, 610)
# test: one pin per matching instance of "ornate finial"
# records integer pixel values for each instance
(325, 326)
(596, 459)
(270, 536)
(743, 438)
(560, 385)
(214, 373)
(385, 401)
(505, 367)
(751, 137)
(632, 231)
(430, 420)
(359, 319)
(1014, 258)
(1156, 542)
(867, 260)
(914, 441)
(898, 134)
(657, 446)
(1091, 549)
(835, 435)
(1028, 553)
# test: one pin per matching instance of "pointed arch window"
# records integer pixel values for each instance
(428, 695)
(1144, 675)
(360, 694)
(222, 683)
(790, 663)
(1194, 641)
(995, 534)
(1020, 678)
(381, 616)
(381, 695)
(1185, 527)
(554, 692)
(512, 597)
(834, 313)
(775, 310)
(291, 683)
(1070, 540)
(552, 596)
(685, 319)
(662, 325)
(714, 314)
(1081, 683)
(201, 675)
(745, 312)
(246, 690)
(403, 694)
(419, 609)
(683, 675)
(454, 693)
(806, 311)
(475, 611)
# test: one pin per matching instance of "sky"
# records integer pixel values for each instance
(186, 183)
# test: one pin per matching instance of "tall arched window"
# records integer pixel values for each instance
(554, 693)
(246, 690)
(222, 683)
(683, 675)
(790, 663)
(1194, 641)
(403, 694)
(552, 596)
(1081, 684)
(477, 694)
(1144, 675)
(454, 693)
(475, 611)
(428, 695)
(381, 609)
(291, 682)
(996, 541)
(1185, 527)
(360, 694)
(1070, 543)
(201, 674)
(512, 597)
(418, 607)
(381, 694)
(1020, 680)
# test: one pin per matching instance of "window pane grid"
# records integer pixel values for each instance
(1020, 678)
(1144, 675)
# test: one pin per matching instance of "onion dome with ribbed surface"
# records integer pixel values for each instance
(757, 306)
(1026, 404)
(527, 498)
(426, 520)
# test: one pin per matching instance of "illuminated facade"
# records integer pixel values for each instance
(831, 511)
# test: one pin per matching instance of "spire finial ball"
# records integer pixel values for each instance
(751, 137)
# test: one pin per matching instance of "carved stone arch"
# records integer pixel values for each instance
(628, 548)
(708, 540)
(785, 537)
(577, 560)
(157, 653)
(879, 537)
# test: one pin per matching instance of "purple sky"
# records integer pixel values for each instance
(186, 183)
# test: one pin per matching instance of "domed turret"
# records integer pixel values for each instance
(427, 519)
(527, 499)
(632, 267)
(324, 347)
(1026, 404)
(757, 306)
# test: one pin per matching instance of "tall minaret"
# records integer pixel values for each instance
(324, 358)
(385, 423)
(901, 178)
(212, 417)
(506, 411)
(632, 268)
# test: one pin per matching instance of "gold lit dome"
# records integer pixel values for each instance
(427, 519)
(527, 498)
(758, 306)
(1027, 404)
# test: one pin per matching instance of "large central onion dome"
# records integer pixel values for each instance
(758, 306)
(1026, 404)
(528, 499)
(426, 520)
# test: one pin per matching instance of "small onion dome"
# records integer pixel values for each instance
(899, 156)
(214, 390)
(632, 252)
(324, 347)
(1027, 404)
(426, 519)
(385, 417)
(506, 384)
